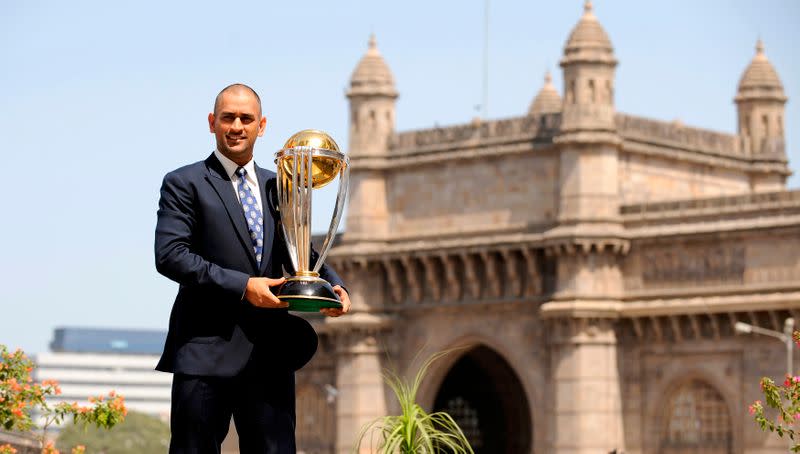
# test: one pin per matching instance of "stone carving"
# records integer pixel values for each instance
(681, 267)
(491, 274)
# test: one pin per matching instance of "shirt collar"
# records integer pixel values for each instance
(230, 166)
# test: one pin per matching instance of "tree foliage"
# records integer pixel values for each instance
(785, 399)
(20, 396)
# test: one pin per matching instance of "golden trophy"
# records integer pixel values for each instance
(309, 160)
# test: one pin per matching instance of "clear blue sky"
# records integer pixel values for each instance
(100, 99)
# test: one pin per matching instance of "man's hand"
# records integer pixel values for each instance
(331, 312)
(258, 292)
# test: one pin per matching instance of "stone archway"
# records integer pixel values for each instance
(486, 398)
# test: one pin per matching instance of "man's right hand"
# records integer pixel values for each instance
(258, 292)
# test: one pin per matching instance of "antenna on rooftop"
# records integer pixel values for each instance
(485, 103)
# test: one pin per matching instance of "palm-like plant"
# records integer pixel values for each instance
(415, 431)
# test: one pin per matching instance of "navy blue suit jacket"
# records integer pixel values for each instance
(202, 242)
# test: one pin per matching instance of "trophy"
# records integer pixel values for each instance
(309, 160)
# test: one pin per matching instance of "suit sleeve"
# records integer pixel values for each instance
(173, 243)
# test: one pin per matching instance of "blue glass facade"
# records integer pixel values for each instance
(98, 340)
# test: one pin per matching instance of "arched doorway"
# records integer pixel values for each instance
(485, 397)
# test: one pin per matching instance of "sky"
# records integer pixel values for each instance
(101, 99)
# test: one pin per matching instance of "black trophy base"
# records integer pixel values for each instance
(308, 294)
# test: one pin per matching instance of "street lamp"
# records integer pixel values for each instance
(785, 337)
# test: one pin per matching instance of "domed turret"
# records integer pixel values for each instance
(588, 66)
(372, 97)
(588, 41)
(760, 104)
(547, 100)
(760, 80)
(372, 75)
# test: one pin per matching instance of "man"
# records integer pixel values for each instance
(232, 345)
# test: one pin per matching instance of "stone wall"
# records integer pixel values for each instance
(459, 196)
(644, 178)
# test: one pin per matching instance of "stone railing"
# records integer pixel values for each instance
(676, 134)
(688, 207)
(544, 126)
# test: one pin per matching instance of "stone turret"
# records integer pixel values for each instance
(760, 104)
(372, 97)
(587, 244)
(588, 141)
(547, 100)
(588, 65)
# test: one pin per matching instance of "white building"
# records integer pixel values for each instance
(92, 362)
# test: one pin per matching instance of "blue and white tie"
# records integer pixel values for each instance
(252, 213)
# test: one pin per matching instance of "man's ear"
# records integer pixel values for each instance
(211, 122)
(262, 126)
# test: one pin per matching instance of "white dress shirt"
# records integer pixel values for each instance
(251, 179)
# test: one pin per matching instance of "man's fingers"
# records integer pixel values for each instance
(273, 282)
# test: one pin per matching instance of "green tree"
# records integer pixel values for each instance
(139, 433)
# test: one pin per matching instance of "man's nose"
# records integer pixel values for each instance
(237, 124)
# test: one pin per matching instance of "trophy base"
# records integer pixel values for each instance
(308, 294)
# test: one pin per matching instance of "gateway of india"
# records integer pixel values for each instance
(591, 266)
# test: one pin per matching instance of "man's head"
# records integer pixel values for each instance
(237, 122)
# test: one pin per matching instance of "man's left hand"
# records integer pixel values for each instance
(333, 312)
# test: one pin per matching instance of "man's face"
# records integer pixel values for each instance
(236, 124)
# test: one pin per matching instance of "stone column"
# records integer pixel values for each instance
(361, 395)
(587, 407)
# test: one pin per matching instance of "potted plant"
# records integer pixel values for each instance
(414, 431)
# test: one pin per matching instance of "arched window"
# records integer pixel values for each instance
(697, 420)
(592, 94)
(571, 95)
(746, 126)
(316, 420)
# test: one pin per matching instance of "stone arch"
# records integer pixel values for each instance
(504, 396)
(694, 416)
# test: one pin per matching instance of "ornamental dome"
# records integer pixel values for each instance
(547, 100)
(372, 75)
(588, 41)
(760, 80)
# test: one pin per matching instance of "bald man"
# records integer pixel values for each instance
(232, 346)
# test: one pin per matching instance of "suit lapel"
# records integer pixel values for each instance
(267, 185)
(221, 182)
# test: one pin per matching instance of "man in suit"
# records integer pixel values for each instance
(232, 345)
